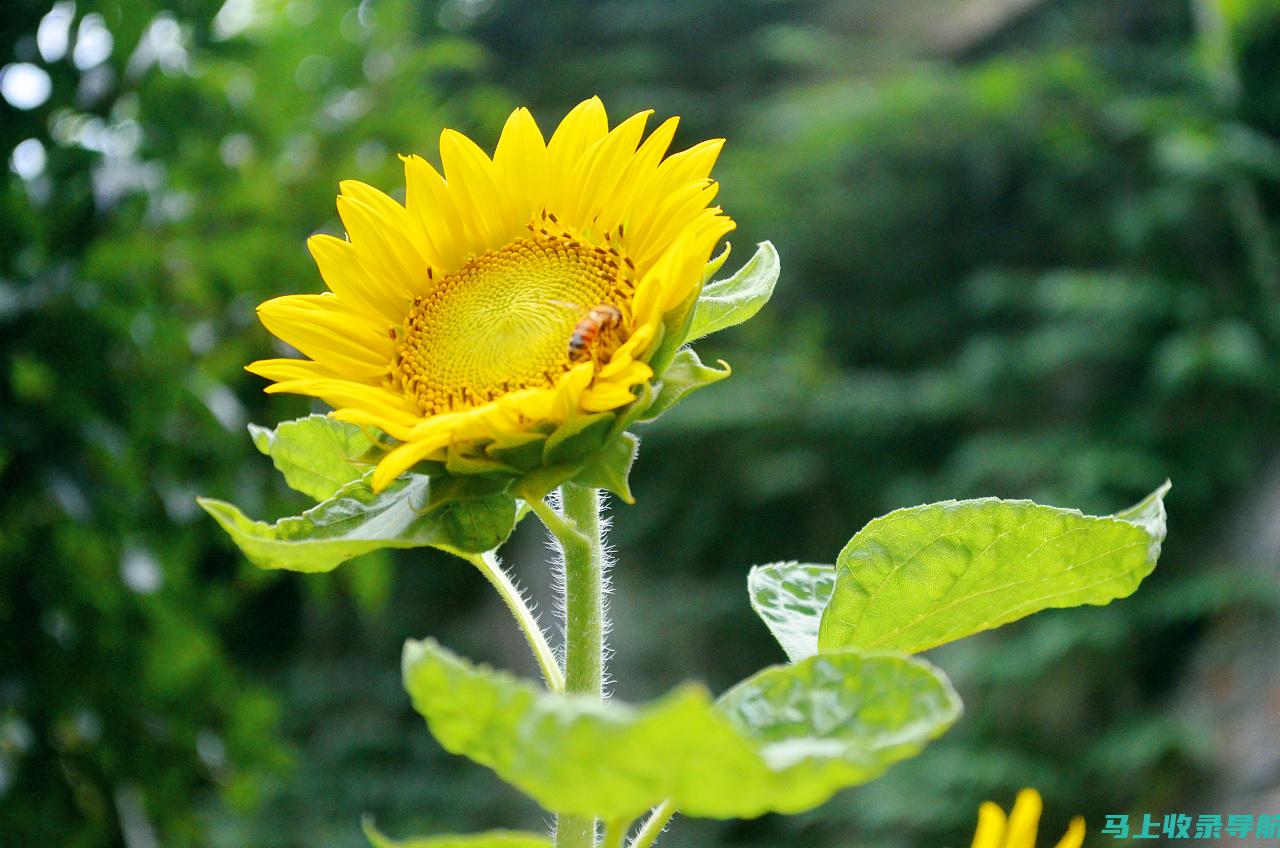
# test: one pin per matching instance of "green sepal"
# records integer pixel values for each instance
(716, 263)
(489, 839)
(784, 740)
(727, 303)
(317, 455)
(921, 577)
(790, 597)
(519, 450)
(634, 411)
(540, 482)
(671, 335)
(686, 374)
(610, 467)
(577, 437)
(452, 514)
(470, 460)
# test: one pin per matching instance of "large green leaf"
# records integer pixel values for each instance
(490, 839)
(726, 303)
(414, 511)
(317, 455)
(784, 740)
(685, 374)
(790, 598)
(920, 577)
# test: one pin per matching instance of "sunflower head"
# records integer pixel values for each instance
(518, 311)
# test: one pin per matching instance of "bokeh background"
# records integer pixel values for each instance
(1030, 249)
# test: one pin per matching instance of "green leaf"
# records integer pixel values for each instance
(785, 740)
(828, 722)
(726, 303)
(924, 576)
(685, 374)
(490, 839)
(610, 467)
(407, 514)
(790, 598)
(317, 455)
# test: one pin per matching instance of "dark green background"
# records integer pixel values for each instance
(1031, 254)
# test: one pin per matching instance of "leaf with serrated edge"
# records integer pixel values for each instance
(355, 521)
(726, 303)
(790, 597)
(686, 374)
(785, 740)
(920, 577)
(489, 839)
(317, 455)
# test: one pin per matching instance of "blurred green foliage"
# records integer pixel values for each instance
(1039, 263)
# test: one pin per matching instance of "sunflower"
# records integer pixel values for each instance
(507, 295)
(1018, 830)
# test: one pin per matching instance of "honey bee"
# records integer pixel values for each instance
(599, 318)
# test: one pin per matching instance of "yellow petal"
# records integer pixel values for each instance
(406, 456)
(323, 328)
(483, 203)
(390, 406)
(586, 124)
(431, 206)
(991, 827)
(1024, 820)
(1074, 837)
(520, 163)
(382, 249)
(345, 277)
(622, 204)
(602, 166)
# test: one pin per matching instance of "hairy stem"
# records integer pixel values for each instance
(493, 571)
(654, 825)
(578, 532)
(615, 833)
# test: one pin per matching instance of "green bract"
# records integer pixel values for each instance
(784, 740)
(720, 304)
(727, 303)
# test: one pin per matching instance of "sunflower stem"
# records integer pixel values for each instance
(498, 577)
(615, 834)
(653, 826)
(577, 528)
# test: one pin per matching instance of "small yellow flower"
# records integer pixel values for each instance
(510, 293)
(1019, 829)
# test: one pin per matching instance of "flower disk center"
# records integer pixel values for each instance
(503, 321)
